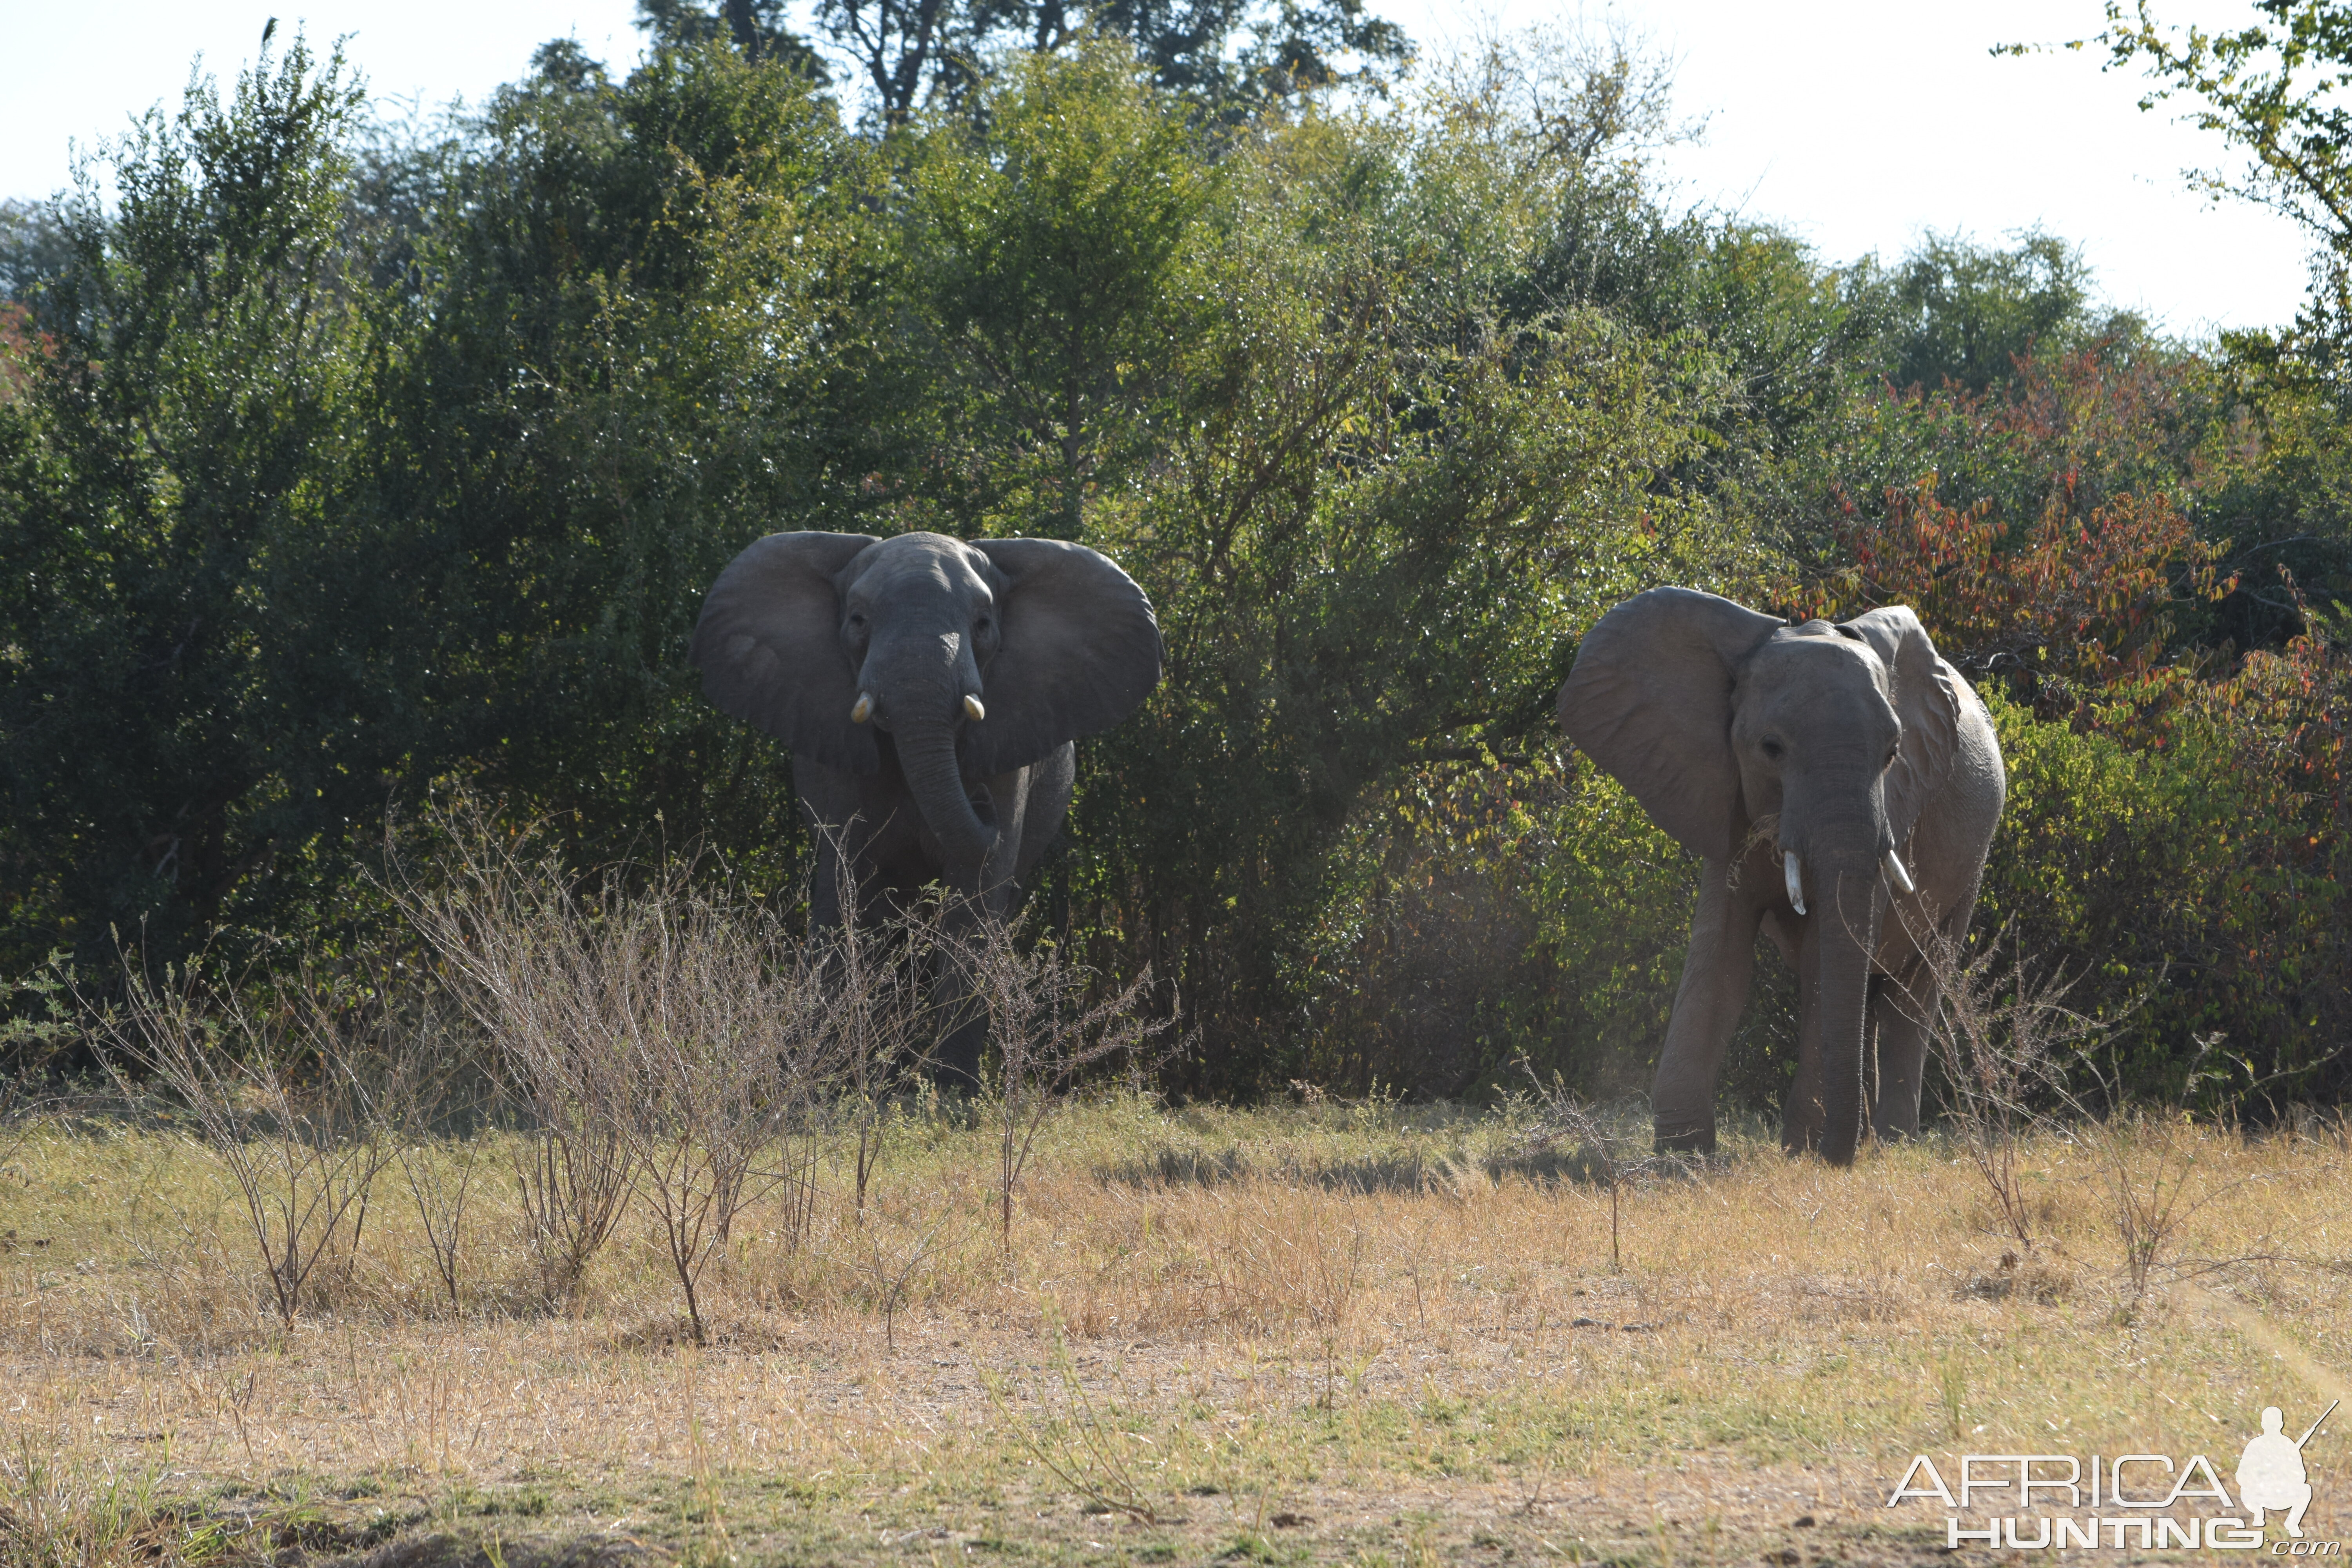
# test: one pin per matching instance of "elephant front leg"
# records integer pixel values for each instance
(1716, 973)
(1900, 1008)
(978, 905)
(1009, 806)
(955, 1060)
(965, 929)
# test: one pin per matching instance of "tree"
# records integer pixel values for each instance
(649, 338)
(1228, 55)
(202, 676)
(35, 247)
(1966, 314)
(1359, 490)
(756, 28)
(2274, 87)
(1048, 251)
(906, 47)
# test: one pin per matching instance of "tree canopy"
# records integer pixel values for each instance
(345, 458)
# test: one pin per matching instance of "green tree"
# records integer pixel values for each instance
(2277, 89)
(1966, 315)
(35, 247)
(1371, 508)
(646, 340)
(756, 28)
(1233, 56)
(1048, 254)
(200, 677)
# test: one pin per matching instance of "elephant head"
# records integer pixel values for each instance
(975, 658)
(1829, 738)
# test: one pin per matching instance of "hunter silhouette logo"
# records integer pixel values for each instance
(2133, 1500)
(2270, 1473)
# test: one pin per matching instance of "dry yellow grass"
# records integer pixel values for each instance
(1328, 1333)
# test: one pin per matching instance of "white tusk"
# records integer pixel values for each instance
(864, 709)
(1793, 875)
(1897, 875)
(972, 709)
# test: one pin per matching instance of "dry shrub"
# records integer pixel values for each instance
(443, 1160)
(442, 1182)
(882, 1015)
(295, 1091)
(532, 971)
(2014, 1056)
(670, 1043)
(2003, 1040)
(1613, 1153)
(667, 1039)
(894, 1251)
(1051, 1023)
(2153, 1163)
(733, 1045)
(1079, 1442)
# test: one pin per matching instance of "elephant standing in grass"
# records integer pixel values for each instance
(931, 691)
(1829, 776)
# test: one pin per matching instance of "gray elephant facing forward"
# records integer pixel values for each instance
(931, 691)
(1842, 784)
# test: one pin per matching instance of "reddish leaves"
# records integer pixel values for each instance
(2083, 597)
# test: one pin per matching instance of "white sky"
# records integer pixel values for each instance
(1859, 124)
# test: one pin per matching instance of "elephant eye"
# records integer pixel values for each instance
(1772, 750)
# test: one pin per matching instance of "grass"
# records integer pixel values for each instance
(1366, 1334)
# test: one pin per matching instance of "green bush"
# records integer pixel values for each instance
(2179, 887)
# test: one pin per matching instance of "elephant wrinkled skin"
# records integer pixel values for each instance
(931, 691)
(1830, 778)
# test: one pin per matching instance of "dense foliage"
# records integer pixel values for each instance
(343, 460)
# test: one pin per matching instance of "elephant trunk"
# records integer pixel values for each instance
(1836, 826)
(1849, 906)
(927, 752)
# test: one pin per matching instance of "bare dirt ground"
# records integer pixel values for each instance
(1369, 1334)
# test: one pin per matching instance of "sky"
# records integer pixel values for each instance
(1857, 124)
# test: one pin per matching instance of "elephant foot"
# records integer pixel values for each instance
(1684, 1138)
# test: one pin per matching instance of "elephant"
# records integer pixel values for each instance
(931, 691)
(1828, 776)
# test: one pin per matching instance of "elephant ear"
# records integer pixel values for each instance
(1077, 650)
(769, 646)
(1650, 702)
(1927, 698)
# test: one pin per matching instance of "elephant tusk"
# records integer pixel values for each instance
(1793, 876)
(972, 708)
(864, 709)
(1897, 875)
